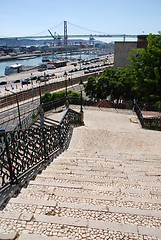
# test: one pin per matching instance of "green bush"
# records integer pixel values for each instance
(46, 97)
(57, 99)
(74, 97)
(58, 95)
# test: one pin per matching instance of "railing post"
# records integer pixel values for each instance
(12, 176)
(60, 138)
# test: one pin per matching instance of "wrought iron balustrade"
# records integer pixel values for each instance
(22, 151)
(139, 114)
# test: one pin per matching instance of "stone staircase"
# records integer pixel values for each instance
(92, 192)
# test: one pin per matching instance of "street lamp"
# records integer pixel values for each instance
(81, 106)
(41, 109)
(66, 90)
(18, 107)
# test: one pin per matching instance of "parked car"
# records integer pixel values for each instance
(16, 81)
(26, 81)
(33, 77)
(42, 78)
(52, 75)
(3, 82)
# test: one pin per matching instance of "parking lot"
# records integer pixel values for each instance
(33, 78)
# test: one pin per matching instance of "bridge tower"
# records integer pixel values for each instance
(91, 40)
(65, 33)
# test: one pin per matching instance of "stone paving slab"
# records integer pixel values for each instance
(10, 215)
(74, 178)
(83, 185)
(134, 211)
(113, 226)
(85, 196)
(85, 207)
(69, 172)
(91, 171)
(8, 236)
(33, 202)
(62, 220)
(137, 183)
(135, 191)
(149, 231)
(139, 200)
(25, 236)
(57, 184)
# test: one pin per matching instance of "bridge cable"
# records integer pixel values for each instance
(86, 29)
(48, 28)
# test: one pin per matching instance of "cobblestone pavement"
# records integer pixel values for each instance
(107, 185)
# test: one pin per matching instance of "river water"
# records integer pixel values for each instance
(38, 60)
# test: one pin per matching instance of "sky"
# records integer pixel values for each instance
(31, 17)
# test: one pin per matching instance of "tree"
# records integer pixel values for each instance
(146, 70)
(90, 87)
(124, 84)
(100, 87)
(111, 82)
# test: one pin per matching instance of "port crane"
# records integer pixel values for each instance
(55, 38)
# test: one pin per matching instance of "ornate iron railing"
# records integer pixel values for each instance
(139, 114)
(53, 104)
(22, 151)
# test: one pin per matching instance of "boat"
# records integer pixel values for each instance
(15, 68)
(27, 57)
(45, 59)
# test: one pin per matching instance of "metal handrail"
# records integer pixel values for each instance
(23, 151)
(139, 114)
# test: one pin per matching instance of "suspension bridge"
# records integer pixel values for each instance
(93, 34)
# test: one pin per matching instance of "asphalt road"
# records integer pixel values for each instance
(59, 76)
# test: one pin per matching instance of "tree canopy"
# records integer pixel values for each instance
(140, 80)
(146, 70)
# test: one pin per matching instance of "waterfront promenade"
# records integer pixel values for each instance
(107, 185)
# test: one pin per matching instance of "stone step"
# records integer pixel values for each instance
(51, 203)
(26, 236)
(122, 164)
(63, 159)
(84, 152)
(83, 211)
(102, 166)
(91, 195)
(76, 222)
(74, 228)
(106, 173)
(112, 217)
(100, 225)
(88, 186)
(80, 172)
(134, 211)
(103, 158)
(113, 178)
